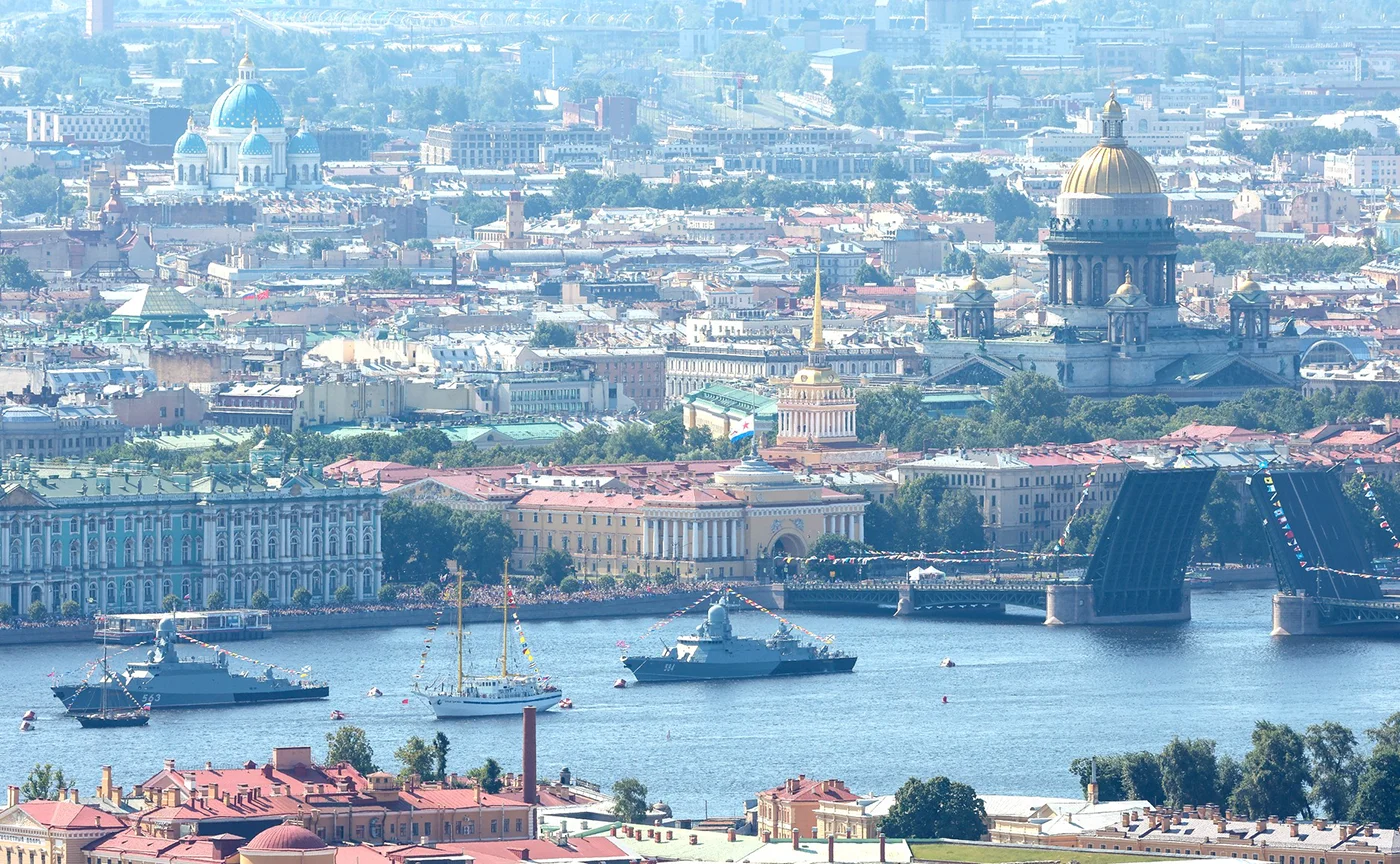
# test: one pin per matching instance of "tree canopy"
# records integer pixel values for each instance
(350, 744)
(935, 808)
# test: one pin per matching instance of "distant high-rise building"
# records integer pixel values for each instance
(100, 16)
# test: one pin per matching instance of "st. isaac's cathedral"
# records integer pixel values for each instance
(1112, 325)
(246, 145)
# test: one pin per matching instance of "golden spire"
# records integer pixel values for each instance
(818, 344)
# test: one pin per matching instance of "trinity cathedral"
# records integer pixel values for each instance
(1112, 325)
(246, 145)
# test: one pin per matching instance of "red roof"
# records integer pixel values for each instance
(807, 789)
(70, 816)
(286, 837)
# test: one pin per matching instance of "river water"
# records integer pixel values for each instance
(1023, 700)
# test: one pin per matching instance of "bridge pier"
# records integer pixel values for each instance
(1295, 615)
(906, 602)
(1073, 603)
(1069, 603)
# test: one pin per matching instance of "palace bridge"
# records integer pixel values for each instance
(1333, 594)
(1136, 574)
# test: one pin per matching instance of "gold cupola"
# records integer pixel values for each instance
(1111, 167)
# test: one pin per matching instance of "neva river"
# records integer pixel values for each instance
(1023, 701)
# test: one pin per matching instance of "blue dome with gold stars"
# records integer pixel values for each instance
(190, 144)
(303, 144)
(243, 103)
(256, 144)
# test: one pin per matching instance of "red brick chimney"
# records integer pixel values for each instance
(528, 768)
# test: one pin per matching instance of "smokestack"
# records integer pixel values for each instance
(528, 768)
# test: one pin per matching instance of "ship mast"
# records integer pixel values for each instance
(505, 619)
(459, 631)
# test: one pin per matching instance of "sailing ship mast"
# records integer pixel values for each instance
(459, 631)
(505, 620)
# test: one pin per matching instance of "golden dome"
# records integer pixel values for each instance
(973, 283)
(1127, 289)
(1111, 169)
(1390, 213)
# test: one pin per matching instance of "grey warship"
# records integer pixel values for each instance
(713, 652)
(164, 681)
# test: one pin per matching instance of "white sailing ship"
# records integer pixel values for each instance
(491, 695)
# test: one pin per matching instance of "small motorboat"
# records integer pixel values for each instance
(26, 726)
(945, 700)
(374, 692)
(947, 663)
(30, 716)
(566, 702)
(113, 719)
(337, 715)
(620, 684)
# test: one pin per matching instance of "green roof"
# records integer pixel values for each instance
(523, 433)
(724, 399)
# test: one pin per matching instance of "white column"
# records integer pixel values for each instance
(694, 539)
(860, 527)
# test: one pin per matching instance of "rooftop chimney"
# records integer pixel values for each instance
(528, 762)
(105, 790)
(11, 796)
(1292, 827)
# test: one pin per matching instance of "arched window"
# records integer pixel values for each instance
(254, 548)
(74, 551)
(316, 545)
(92, 552)
(56, 554)
(367, 585)
(238, 588)
(368, 545)
(130, 593)
(167, 549)
(111, 594)
(16, 555)
(128, 552)
(349, 541)
(184, 589)
(272, 586)
(180, 173)
(164, 589)
(272, 547)
(148, 550)
(220, 550)
(245, 173)
(331, 545)
(148, 592)
(185, 551)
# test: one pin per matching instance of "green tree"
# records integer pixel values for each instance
(29, 190)
(570, 585)
(170, 602)
(69, 609)
(260, 600)
(344, 594)
(440, 748)
(1188, 770)
(484, 542)
(350, 744)
(629, 800)
(488, 776)
(44, 783)
(1336, 768)
(1228, 775)
(936, 808)
(867, 275)
(38, 611)
(549, 334)
(215, 600)
(417, 540)
(837, 546)
(1275, 774)
(431, 592)
(16, 275)
(301, 598)
(1378, 793)
(1109, 770)
(1142, 777)
(1385, 738)
(416, 758)
(967, 174)
(554, 565)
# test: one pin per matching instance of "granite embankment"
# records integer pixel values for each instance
(353, 619)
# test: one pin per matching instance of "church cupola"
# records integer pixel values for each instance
(974, 311)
